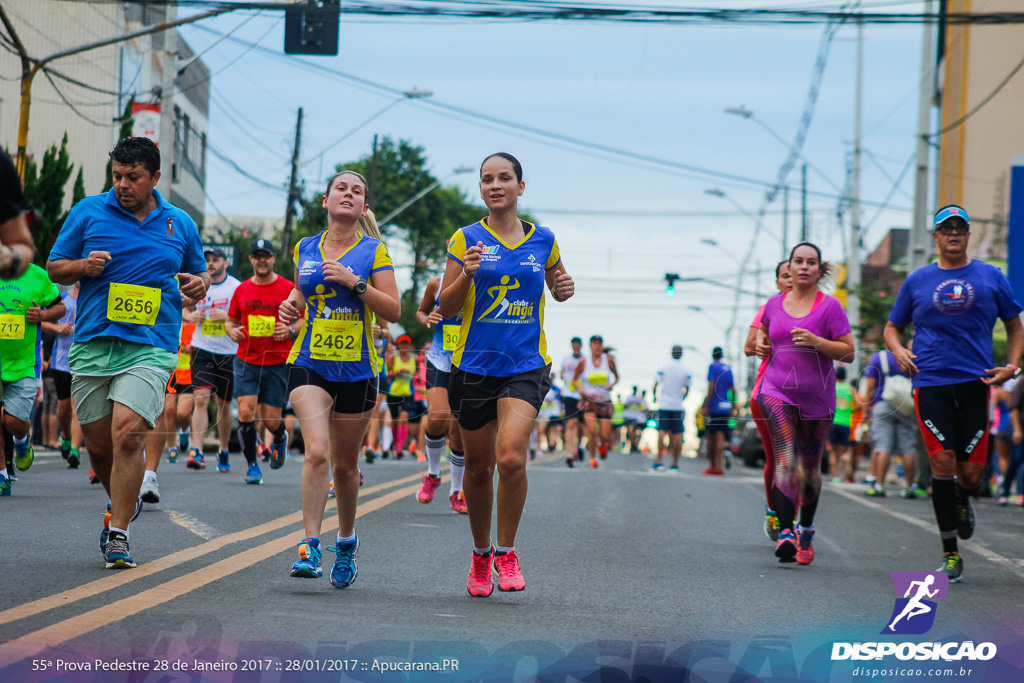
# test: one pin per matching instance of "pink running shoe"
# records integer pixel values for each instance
(510, 577)
(804, 546)
(481, 584)
(458, 503)
(430, 484)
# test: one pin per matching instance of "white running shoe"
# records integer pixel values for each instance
(150, 492)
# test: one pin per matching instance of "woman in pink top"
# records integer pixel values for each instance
(797, 394)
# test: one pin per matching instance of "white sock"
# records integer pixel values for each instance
(347, 540)
(501, 550)
(435, 448)
(23, 440)
(482, 551)
(458, 469)
(122, 531)
(150, 475)
(3, 472)
(386, 437)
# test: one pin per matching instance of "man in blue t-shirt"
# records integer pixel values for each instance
(138, 259)
(718, 410)
(954, 305)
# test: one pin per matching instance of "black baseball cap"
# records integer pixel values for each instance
(216, 251)
(262, 244)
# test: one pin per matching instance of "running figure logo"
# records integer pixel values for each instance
(501, 309)
(914, 613)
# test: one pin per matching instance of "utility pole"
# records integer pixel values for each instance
(293, 192)
(785, 222)
(853, 263)
(803, 203)
(167, 82)
(918, 248)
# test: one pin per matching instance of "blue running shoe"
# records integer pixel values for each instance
(24, 455)
(308, 566)
(253, 474)
(278, 453)
(222, 462)
(172, 455)
(183, 439)
(345, 569)
(105, 533)
(196, 461)
(5, 486)
(116, 552)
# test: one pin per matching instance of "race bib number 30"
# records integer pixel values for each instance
(451, 337)
(337, 340)
(12, 326)
(260, 326)
(133, 304)
(215, 328)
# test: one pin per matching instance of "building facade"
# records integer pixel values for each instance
(85, 95)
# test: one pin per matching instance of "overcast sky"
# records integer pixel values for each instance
(653, 90)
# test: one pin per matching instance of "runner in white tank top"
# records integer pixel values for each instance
(595, 376)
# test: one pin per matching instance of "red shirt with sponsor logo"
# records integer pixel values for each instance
(255, 307)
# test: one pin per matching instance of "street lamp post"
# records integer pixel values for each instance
(413, 94)
(421, 194)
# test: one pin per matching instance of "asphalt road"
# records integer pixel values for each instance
(668, 570)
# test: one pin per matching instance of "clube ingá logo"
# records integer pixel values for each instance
(916, 593)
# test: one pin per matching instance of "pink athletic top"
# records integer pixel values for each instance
(764, 364)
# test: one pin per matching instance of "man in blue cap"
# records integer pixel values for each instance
(954, 305)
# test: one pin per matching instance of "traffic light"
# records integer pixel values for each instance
(311, 28)
(671, 278)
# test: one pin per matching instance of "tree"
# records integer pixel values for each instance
(127, 124)
(44, 192)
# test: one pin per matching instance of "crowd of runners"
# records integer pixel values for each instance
(121, 342)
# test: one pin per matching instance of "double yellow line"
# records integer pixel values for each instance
(37, 642)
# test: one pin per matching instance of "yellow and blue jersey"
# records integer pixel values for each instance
(502, 331)
(337, 340)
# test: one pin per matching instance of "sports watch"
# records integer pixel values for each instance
(359, 287)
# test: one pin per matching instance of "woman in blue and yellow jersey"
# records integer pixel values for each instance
(345, 278)
(496, 273)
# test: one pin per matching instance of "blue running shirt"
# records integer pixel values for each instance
(953, 312)
(336, 342)
(503, 315)
(145, 257)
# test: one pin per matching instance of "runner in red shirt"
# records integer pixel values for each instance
(264, 342)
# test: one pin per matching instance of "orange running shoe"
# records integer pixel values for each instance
(481, 583)
(593, 464)
(510, 577)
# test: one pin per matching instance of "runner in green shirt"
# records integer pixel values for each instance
(24, 303)
(839, 438)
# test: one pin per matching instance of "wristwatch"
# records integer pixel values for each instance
(1016, 370)
(359, 287)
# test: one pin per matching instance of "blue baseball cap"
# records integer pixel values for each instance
(948, 212)
(262, 245)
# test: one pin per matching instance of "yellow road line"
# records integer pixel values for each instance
(120, 578)
(37, 642)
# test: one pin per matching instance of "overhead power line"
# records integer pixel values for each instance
(541, 10)
(577, 143)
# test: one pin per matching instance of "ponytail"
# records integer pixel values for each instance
(368, 226)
